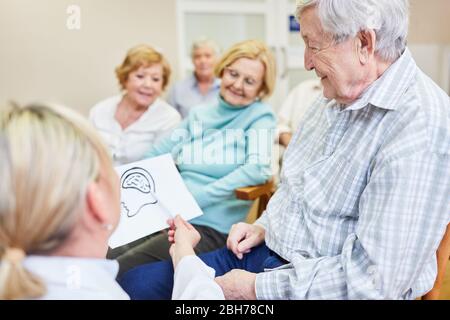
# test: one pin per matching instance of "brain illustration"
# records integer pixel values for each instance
(138, 188)
(139, 179)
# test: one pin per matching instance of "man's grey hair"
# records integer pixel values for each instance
(345, 18)
(205, 42)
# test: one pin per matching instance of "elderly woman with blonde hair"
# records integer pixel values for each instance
(59, 203)
(132, 121)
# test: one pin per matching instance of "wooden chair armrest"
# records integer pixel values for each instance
(254, 192)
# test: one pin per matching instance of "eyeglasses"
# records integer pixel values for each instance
(248, 82)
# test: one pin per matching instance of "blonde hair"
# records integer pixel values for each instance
(142, 56)
(48, 157)
(256, 50)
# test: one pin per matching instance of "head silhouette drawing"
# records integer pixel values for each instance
(139, 185)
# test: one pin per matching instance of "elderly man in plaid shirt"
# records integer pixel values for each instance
(364, 198)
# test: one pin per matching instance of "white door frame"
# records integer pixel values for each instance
(222, 7)
(446, 70)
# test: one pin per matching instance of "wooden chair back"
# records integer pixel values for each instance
(261, 192)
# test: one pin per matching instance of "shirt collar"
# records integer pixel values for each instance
(51, 266)
(387, 90)
(225, 105)
(194, 84)
(108, 120)
(332, 109)
(192, 81)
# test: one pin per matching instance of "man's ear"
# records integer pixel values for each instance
(366, 40)
(96, 206)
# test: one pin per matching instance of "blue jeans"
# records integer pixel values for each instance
(155, 280)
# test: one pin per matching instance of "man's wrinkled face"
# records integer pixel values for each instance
(337, 65)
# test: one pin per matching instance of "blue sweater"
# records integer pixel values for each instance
(220, 148)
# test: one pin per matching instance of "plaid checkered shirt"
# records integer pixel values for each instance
(364, 198)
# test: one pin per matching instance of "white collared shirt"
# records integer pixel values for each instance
(131, 144)
(69, 278)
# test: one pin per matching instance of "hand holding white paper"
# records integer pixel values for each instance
(147, 189)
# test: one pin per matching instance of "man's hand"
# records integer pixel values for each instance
(243, 237)
(238, 285)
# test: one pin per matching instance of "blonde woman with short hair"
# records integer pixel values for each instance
(59, 203)
(131, 122)
(250, 50)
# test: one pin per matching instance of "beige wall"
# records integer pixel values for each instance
(429, 21)
(40, 59)
(429, 39)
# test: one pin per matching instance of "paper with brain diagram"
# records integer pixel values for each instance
(139, 182)
(148, 190)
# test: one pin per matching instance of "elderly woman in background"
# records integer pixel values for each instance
(202, 87)
(57, 213)
(134, 120)
(221, 147)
